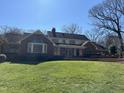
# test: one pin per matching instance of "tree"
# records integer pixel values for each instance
(2, 42)
(106, 16)
(120, 5)
(11, 34)
(112, 40)
(72, 29)
(96, 36)
(113, 50)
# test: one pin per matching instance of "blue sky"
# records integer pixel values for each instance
(45, 14)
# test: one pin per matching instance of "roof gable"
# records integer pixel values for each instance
(35, 33)
(93, 45)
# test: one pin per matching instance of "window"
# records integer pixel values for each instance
(72, 41)
(55, 40)
(45, 48)
(60, 41)
(63, 41)
(30, 48)
(37, 48)
(57, 51)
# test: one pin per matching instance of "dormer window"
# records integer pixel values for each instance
(63, 41)
(72, 41)
(56, 40)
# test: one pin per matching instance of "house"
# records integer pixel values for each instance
(73, 45)
(67, 45)
(53, 44)
(30, 46)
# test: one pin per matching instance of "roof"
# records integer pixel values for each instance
(97, 46)
(67, 35)
(26, 35)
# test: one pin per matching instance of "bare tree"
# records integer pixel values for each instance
(11, 34)
(107, 17)
(120, 5)
(112, 39)
(72, 29)
(4, 29)
(95, 35)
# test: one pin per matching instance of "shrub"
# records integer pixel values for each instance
(3, 57)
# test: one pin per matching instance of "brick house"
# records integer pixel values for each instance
(53, 44)
(74, 45)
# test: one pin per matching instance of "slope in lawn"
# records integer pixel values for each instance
(62, 77)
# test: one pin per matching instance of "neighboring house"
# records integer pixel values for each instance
(53, 44)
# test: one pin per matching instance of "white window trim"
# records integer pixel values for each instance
(44, 50)
(30, 45)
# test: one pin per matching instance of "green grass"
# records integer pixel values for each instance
(62, 77)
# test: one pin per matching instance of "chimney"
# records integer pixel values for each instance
(54, 32)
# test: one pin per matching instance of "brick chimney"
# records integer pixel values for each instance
(54, 31)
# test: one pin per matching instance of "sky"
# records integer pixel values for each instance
(45, 14)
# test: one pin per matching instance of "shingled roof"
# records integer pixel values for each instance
(67, 35)
(97, 46)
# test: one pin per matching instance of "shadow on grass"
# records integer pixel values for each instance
(29, 62)
(32, 59)
(35, 62)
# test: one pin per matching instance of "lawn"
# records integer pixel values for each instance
(62, 77)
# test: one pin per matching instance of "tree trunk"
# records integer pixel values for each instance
(121, 44)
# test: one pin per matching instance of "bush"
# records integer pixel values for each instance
(3, 57)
